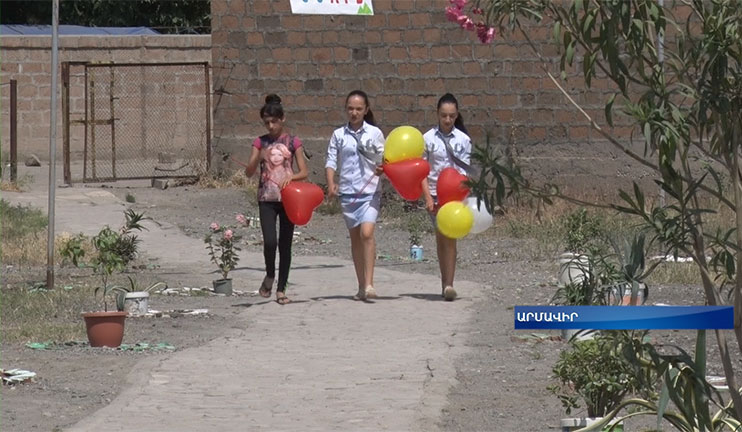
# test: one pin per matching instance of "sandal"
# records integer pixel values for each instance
(449, 294)
(266, 288)
(370, 292)
(282, 299)
(360, 295)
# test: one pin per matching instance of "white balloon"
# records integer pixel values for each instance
(482, 218)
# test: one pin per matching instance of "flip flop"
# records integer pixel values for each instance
(264, 290)
(283, 300)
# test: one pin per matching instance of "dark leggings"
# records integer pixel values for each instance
(269, 211)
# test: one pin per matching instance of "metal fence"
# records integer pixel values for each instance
(138, 120)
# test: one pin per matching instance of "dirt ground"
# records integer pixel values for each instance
(501, 382)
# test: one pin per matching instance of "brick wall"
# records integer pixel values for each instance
(27, 59)
(406, 56)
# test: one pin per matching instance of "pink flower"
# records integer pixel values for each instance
(466, 23)
(477, 11)
(241, 219)
(453, 14)
(228, 234)
(485, 34)
(214, 226)
(459, 3)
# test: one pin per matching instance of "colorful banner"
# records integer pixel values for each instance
(624, 317)
(332, 7)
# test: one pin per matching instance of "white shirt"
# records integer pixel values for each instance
(437, 156)
(355, 170)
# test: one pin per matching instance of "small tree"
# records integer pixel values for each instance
(687, 106)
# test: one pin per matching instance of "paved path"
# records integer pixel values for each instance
(324, 362)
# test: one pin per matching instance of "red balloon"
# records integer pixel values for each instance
(451, 186)
(407, 177)
(300, 199)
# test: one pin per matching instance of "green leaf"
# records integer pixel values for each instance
(570, 53)
(662, 404)
(609, 109)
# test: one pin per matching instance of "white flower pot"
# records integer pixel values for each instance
(572, 268)
(416, 252)
(136, 303)
(223, 286)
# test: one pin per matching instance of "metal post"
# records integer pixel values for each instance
(85, 123)
(661, 61)
(113, 125)
(66, 122)
(208, 116)
(93, 157)
(13, 131)
(52, 147)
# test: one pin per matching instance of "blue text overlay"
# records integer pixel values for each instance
(624, 317)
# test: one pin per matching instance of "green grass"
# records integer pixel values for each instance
(17, 221)
(671, 273)
(543, 237)
(39, 315)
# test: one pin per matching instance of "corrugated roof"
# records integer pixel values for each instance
(72, 30)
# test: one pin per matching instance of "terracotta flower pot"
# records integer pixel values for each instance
(105, 328)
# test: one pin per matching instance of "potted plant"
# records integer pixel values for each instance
(594, 374)
(221, 244)
(134, 299)
(416, 223)
(581, 233)
(114, 251)
(630, 288)
(592, 288)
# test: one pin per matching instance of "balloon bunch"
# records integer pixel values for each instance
(403, 162)
(459, 214)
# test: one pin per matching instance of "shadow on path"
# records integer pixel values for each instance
(349, 297)
(429, 297)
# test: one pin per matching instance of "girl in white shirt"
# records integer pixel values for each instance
(446, 145)
(355, 151)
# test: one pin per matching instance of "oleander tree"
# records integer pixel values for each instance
(675, 72)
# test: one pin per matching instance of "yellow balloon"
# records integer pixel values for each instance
(455, 219)
(404, 142)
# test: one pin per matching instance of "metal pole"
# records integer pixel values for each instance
(661, 61)
(13, 131)
(208, 116)
(66, 123)
(52, 147)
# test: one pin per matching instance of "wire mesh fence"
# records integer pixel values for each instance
(143, 120)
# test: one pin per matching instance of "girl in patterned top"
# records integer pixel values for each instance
(355, 151)
(446, 145)
(275, 152)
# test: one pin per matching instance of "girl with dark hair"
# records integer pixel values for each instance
(446, 145)
(275, 152)
(355, 151)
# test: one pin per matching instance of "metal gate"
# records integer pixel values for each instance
(139, 120)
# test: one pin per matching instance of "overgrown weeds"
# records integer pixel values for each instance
(40, 315)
